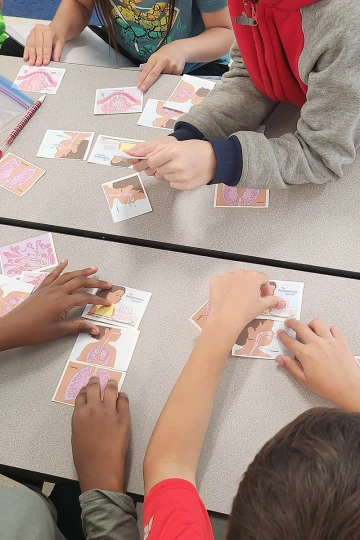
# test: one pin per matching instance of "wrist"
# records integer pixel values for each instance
(8, 332)
(105, 483)
(183, 47)
(350, 402)
(223, 334)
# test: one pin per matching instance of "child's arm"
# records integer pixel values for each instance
(175, 445)
(46, 42)
(41, 317)
(210, 45)
(325, 363)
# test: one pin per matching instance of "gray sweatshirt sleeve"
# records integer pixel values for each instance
(108, 515)
(234, 104)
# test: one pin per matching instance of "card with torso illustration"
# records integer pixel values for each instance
(112, 151)
(44, 80)
(157, 115)
(33, 254)
(126, 309)
(118, 100)
(34, 278)
(190, 91)
(12, 293)
(113, 347)
(18, 175)
(259, 340)
(232, 197)
(76, 375)
(126, 198)
(292, 293)
(66, 144)
(200, 316)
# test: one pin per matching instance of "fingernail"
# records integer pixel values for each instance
(94, 380)
(93, 267)
(143, 88)
(112, 382)
(95, 332)
(282, 304)
(63, 261)
(279, 332)
(280, 360)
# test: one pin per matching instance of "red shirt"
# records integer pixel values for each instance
(173, 510)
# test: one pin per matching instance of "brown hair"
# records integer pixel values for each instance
(241, 340)
(304, 484)
(104, 292)
(273, 284)
(103, 10)
(132, 181)
(102, 331)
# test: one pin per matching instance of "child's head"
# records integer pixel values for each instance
(304, 484)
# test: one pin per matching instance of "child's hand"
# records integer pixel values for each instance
(146, 148)
(325, 364)
(169, 58)
(44, 42)
(186, 165)
(237, 298)
(41, 317)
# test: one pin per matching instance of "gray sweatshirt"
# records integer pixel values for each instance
(328, 132)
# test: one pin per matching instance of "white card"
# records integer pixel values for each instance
(126, 197)
(156, 115)
(190, 91)
(111, 150)
(12, 293)
(118, 100)
(44, 80)
(259, 340)
(292, 293)
(66, 144)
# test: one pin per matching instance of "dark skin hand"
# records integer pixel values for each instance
(41, 317)
(100, 437)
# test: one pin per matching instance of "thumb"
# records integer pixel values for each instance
(58, 48)
(78, 327)
(272, 302)
(292, 366)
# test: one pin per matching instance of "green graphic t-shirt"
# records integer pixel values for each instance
(141, 25)
(3, 35)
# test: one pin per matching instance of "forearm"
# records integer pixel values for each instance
(175, 445)
(8, 332)
(208, 46)
(72, 17)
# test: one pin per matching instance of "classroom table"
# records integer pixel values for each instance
(255, 397)
(304, 225)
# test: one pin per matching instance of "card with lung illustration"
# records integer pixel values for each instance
(18, 175)
(12, 293)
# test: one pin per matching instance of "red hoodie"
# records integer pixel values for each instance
(272, 47)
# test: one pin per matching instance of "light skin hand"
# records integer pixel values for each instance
(100, 437)
(186, 165)
(146, 148)
(170, 58)
(325, 363)
(43, 44)
(175, 446)
(41, 317)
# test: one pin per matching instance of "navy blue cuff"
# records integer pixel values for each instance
(184, 131)
(229, 161)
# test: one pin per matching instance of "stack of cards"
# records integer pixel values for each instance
(126, 197)
(259, 337)
(18, 175)
(44, 80)
(112, 151)
(118, 101)
(107, 355)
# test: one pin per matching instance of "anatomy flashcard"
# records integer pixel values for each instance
(113, 347)
(112, 151)
(36, 253)
(232, 197)
(126, 198)
(44, 80)
(66, 144)
(12, 293)
(292, 293)
(259, 340)
(34, 278)
(18, 175)
(200, 316)
(157, 115)
(118, 101)
(126, 309)
(190, 91)
(77, 374)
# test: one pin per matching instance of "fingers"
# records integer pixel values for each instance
(271, 302)
(337, 333)
(301, 329)
(294, 346)
(320, 328)
(160, 156)
(81, 398)
(93, 394)
(53, 276)
(30, 46)
(75, 327)
(141, 166)
(83, 282)
(111, 394)
(82, 299)
(76, 273)
(39, 44)
(293, 367)
(58, 49)
(48, 38)
(150, 73)
(122, 405)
